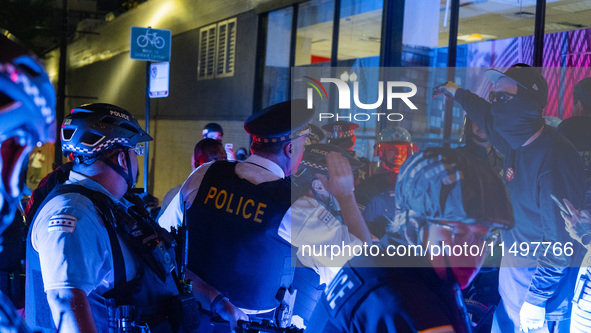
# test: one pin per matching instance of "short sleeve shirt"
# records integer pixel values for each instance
(73, 244)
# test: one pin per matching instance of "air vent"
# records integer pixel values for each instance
(226, 48)
(217, 50)
(207, 39)
(67, 134)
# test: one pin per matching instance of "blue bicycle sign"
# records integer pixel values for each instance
(150, 44)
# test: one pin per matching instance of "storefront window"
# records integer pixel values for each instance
(314, 34)
(276, 73)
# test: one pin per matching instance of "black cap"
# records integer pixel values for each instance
(528, 79)
(340, 129)
(314, 162)
(315, 157)
(315, 136)
(280, 122)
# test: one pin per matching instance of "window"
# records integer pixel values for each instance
(276, 73)
(217, 50)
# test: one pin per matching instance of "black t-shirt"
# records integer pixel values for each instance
(389, 299)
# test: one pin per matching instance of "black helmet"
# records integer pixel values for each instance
(446, 184)
(92, 129)
(27, 118)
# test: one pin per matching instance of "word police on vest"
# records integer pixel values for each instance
(223, 199)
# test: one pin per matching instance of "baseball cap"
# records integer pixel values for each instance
(529, 80)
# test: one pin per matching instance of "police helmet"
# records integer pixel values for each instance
(27, 118)
(443, 184)
(394, 138)
(92, 129)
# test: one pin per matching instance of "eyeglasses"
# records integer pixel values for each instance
(500, 97)
(463, 234)
(138, 149)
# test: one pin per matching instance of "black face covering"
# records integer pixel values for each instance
(517, 120)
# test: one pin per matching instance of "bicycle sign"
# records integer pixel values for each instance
(150, 44)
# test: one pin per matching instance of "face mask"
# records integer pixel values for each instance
(517, 120)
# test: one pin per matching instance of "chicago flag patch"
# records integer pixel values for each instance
(62, 222)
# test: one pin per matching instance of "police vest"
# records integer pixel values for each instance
(152, 296)
(233, 240)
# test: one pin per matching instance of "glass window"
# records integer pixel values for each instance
(359, 43)
(425, 40)
(314, 34)
(360, 29)
(566, 15)
(276, 72)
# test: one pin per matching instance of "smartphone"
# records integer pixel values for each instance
(560, 205)
(229, 145)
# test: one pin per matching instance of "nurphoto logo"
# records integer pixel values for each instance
(393, 91)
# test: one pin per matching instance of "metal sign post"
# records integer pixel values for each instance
(147, 117)
(149, 45)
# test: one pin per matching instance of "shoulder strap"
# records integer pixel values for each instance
(103, 205)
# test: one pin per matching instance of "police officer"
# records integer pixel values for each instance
(307, 279)
(314, 163)
(27, 117)
(239, 217)
(93, 262)
(442, 196)
(376, 194)
(206, 150)
(342, 134)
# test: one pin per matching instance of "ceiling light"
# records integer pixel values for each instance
(476, 37)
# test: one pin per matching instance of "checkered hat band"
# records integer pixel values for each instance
(302, 132)
(314, 165)
(340, 135)
(97, 149)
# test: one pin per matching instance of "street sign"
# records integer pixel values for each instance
(150, 44)
(159, 79)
